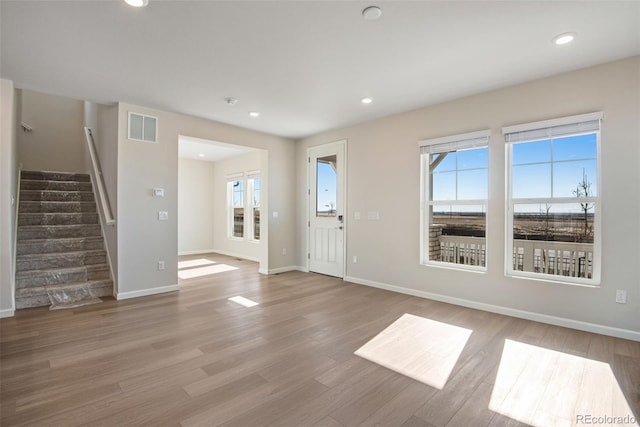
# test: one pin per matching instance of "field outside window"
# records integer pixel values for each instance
(554, 205)
(455, 186)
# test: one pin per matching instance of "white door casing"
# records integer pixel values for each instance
(326, 208)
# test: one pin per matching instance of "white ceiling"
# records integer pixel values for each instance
(209, 151)
(304, 65)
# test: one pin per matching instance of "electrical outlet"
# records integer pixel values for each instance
(621, 296)
(284, 251)
(163, 215)
(355, 259)
(160, 265)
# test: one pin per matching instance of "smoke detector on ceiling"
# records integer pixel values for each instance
(372, 13)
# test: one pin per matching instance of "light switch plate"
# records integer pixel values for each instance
(163, 215)
(158, 192)
(621, 296)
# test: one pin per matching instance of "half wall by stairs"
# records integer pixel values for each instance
(60, 244)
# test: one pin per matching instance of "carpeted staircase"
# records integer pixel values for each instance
(60, 244)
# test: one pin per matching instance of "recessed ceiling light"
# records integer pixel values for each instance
(137, 3)
(254, 113)
(366, 100)
(200, 155)
(564, 38)
(372, 13)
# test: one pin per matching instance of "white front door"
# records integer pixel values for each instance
(327, 209)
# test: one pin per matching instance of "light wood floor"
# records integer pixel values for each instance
(195, 358)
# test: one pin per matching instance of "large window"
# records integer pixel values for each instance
(553, 215)
(254, 187)
(454, 193)
(236, 196)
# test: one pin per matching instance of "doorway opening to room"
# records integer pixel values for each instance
(222, 193)
(327, 211)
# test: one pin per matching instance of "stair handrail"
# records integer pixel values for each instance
(99, 180)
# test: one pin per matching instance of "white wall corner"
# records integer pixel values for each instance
(527, 315)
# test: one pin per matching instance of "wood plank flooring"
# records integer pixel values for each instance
(194, 358)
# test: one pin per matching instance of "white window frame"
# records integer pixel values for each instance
(540, 131)
(230, 206)
(251, 204)
(440, 145)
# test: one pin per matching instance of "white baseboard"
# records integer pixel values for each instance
(199, 252)
(146, 292)
(7, 312)
(231, 254)
(537, 317)
(285, 269)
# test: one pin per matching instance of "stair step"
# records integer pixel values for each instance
(55, 176)
(56, 196)
(57, 276)
(42, 218)
(30, 232)
(57, 207)
(39, 246)
(30, 184)
(37, 296)
(60, 260)
(59, 242)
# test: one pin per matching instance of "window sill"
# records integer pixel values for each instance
(558, 280)
(457, 267)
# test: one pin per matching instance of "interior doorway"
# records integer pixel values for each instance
(222, 190)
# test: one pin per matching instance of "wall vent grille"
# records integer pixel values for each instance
(143, 127)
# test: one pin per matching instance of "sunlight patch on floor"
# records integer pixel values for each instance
(205, 271)
(194, 263)
(543, 387)
(420, 348)
(246, 302)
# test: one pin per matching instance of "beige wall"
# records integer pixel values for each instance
(143, 240)
(244, 248)
(384, 175)
(106, 140)
(195, 206)
(57, 140)
(8, 193)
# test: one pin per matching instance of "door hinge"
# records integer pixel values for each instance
(309, 191)
(308, 255)
(308, 223)
(308, 159)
